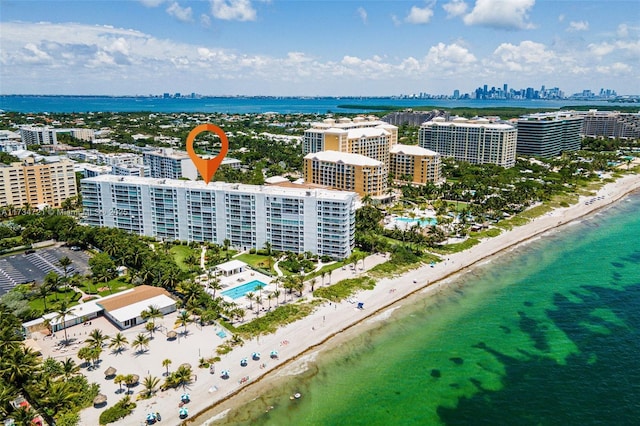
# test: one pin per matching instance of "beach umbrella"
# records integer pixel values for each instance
(185, 397)
(185, 365)
(135, 378)
(243, 362)
(151, 417)
(183, 412)
(172, 334)
(255, 355)
(110, 371)
(100, 399)
(274, 354)
(225, 373)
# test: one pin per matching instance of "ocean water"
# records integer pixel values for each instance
(547, 334)
(245, 105)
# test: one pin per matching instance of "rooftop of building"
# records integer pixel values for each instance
(463, 122)
(168, 153)
(344, 158)
(411, 150)
(274, 190)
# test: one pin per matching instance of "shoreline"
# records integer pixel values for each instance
(388, 296)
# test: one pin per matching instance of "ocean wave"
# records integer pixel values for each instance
(382, 316)
(298, 366)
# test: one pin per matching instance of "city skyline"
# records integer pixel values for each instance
(342, 48)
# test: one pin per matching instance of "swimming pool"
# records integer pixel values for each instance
(241, 290)
(423, 221)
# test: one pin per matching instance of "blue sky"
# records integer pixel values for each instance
(316, 47)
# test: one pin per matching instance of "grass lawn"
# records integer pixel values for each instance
(53, 300)
(257, 261)
(180, 253)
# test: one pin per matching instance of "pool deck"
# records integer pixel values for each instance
(237, 280)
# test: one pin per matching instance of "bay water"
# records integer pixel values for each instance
(247, 105)
(546, 334)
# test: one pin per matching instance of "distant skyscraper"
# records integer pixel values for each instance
(456, 94)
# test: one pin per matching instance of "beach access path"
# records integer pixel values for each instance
(212, 395)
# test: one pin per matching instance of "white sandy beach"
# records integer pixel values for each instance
(311, 333)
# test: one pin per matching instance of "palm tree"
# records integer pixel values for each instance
(215, 285)
(96, 338)
(150, 385)
(191, 292)
(183, 375)
(276, 294)
(43, 291)
(52, 280)
(151, 312)
(129, 381)
(119, 380)
(250, 295)
(150, 326)
(313, 283)
(61, 313)
(323, 274)
(269, 297)
(69, 368)
(118, 343)
(183, 319)
(141, 342)
(166, 363)
(65, 263)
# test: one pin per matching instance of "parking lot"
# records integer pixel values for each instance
(24, 268)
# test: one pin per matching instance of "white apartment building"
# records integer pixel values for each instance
(475, 141)
(168, 163)
(290, 219)
(38, 135)
(11, 141)
(139, 170)
(366, 136)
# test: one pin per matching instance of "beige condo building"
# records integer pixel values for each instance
(415, 164)
(346, 172)
(366, 136)
(37, 184)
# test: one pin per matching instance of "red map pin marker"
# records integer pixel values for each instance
(207, 167)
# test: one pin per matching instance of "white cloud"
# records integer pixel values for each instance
(449, 56)
(501, 14)
(455, 8)
(233, 10)
(528, 57)
(183, 14)
(205, 21)
(617, 68)
(362, 13)
(419, 15)
(578, 26)
(77, 58)
(560, 18)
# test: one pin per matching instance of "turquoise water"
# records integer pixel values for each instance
(423, 221)
(241, 290)
(548, 334)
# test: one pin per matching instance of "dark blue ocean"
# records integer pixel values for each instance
(244, 105)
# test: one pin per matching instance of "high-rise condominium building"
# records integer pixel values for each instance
(290, 219)
(611, 124)
(477, 141)
(38, 184)
(348, 172)
(38, 135)
(548, 134)
(168, 163)
(366, 136)
(415, 164)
